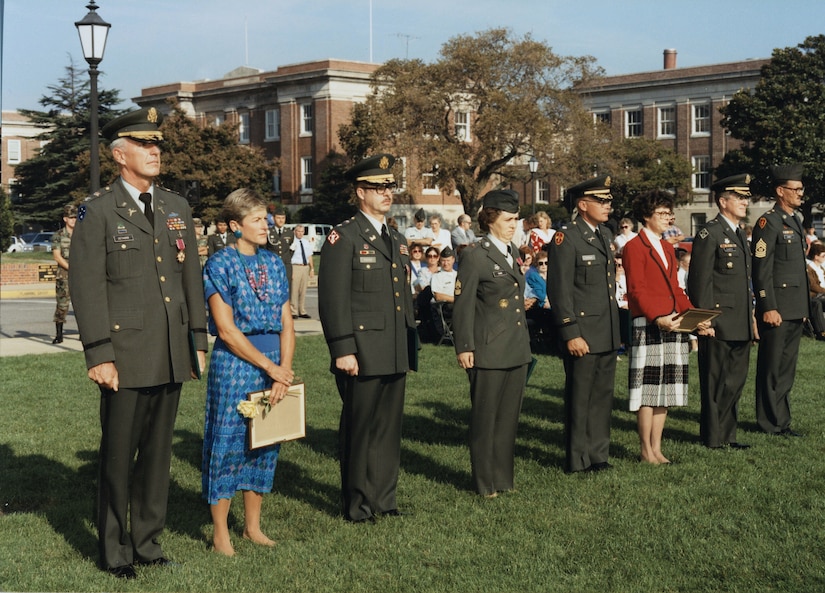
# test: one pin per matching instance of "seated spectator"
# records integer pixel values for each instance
(816, 283)
(416, 263)
(462, 234)
(426, 327)
(626, 232)
(442, 286)
(673, 234)
(525, 259)
(419, 233)
(536, 281)
(441, 236)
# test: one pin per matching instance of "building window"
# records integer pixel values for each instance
(633, 123)
(602, 117)
(219, 119)
(306, 119)
(306, 174)
(273, 124)
(428, 183)
(697, 221)
(14, 151)
(401, 178)
(462, 126)
(701, 119)
(701, 173)
(542, 191)
(276, 183)
(667, 122)
(243, 130)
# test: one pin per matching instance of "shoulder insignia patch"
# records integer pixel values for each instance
(762, 222)
(761, 249)
(333, 237)
(703, 234)
(558, 238)
(457, 288)
(81, 212)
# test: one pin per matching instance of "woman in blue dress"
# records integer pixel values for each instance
(248, 297)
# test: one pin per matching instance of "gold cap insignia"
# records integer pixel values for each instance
(748, 178)
(607, 181)
(152, 116)
(384, 162)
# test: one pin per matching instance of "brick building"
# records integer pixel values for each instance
(678, 107)
(19, 144)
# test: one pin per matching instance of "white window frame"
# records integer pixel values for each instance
(633, 125)
(14, 150)
(602, 117)
(428, 184)
(307, 119)
(243, 127)
(219, 119)
(542, 190)
(276, 183)
(700, 123)
(462, 125)
(273, 125)
(700, 179)
(666, 125)
(306, 175)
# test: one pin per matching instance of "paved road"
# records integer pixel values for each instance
(26, 325)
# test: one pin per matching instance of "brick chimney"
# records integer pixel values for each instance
(670, 59)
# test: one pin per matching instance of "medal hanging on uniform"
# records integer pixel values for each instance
(259, 286)
(181, 249)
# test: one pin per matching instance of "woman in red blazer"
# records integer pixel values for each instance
(658, 375)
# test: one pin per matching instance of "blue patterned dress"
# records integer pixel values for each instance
(228, 464)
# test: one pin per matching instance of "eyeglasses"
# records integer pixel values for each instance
(600, 200)
(541, 263)
(800, 191)
(416, 251)
(625, 227)
(432, 255)
(382, 187)
(664, 214)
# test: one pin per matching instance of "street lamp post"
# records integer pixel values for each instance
(93, 31)
(533, 163)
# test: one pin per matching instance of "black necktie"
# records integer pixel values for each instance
(385, 234)
(303, 253)
(146, 198)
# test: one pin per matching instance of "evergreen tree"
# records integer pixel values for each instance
(6, 221)
(59, 173)
(332, 195)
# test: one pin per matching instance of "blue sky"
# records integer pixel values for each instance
(154, 42)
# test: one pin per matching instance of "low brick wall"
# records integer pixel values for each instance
(27, 273)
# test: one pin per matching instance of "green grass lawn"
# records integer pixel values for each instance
(749, 521)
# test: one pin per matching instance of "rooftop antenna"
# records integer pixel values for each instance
(246, 40)
(407, 38)
(371, 32)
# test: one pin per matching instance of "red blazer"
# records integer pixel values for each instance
(652, 290)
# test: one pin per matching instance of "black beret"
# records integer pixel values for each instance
(447, 252)
(739, 184)
(375, 169)
(141, 125)
(789, 172)
(598, 187)
(505, 200)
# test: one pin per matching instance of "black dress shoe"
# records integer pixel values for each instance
(305, 316)
(164, 562)
(790, 433)
(740, 446)
(600, 467)
(122, 572)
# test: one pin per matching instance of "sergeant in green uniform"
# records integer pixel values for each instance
(61, 242)
(581, 286)
(137, 293)
(719, 279)
(780, 282)
(365, 304)
(492, 342)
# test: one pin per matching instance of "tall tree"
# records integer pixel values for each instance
(332, 193)
(56, 175)
(782, 120)
(211, 159)
(6, 221)
(490, 101)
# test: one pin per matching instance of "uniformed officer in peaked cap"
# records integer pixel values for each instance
(279, 240)
(581, 286)
(142, 125)
(492, 342)
(137, 292)
(719, 280)
(366, 309)
(780, 284)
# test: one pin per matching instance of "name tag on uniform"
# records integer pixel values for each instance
(589, 257)
(367, 259)
(499, 273)
(123, 238)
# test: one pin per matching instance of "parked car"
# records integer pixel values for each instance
(42, 241)
(316, 234)
(18, 245)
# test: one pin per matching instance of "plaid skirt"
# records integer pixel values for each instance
(658, 373)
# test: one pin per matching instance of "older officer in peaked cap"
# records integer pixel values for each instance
(366, 309)
(780, 284)
(138, 297)
(582, 289)
(719, 279)
(492, 342)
